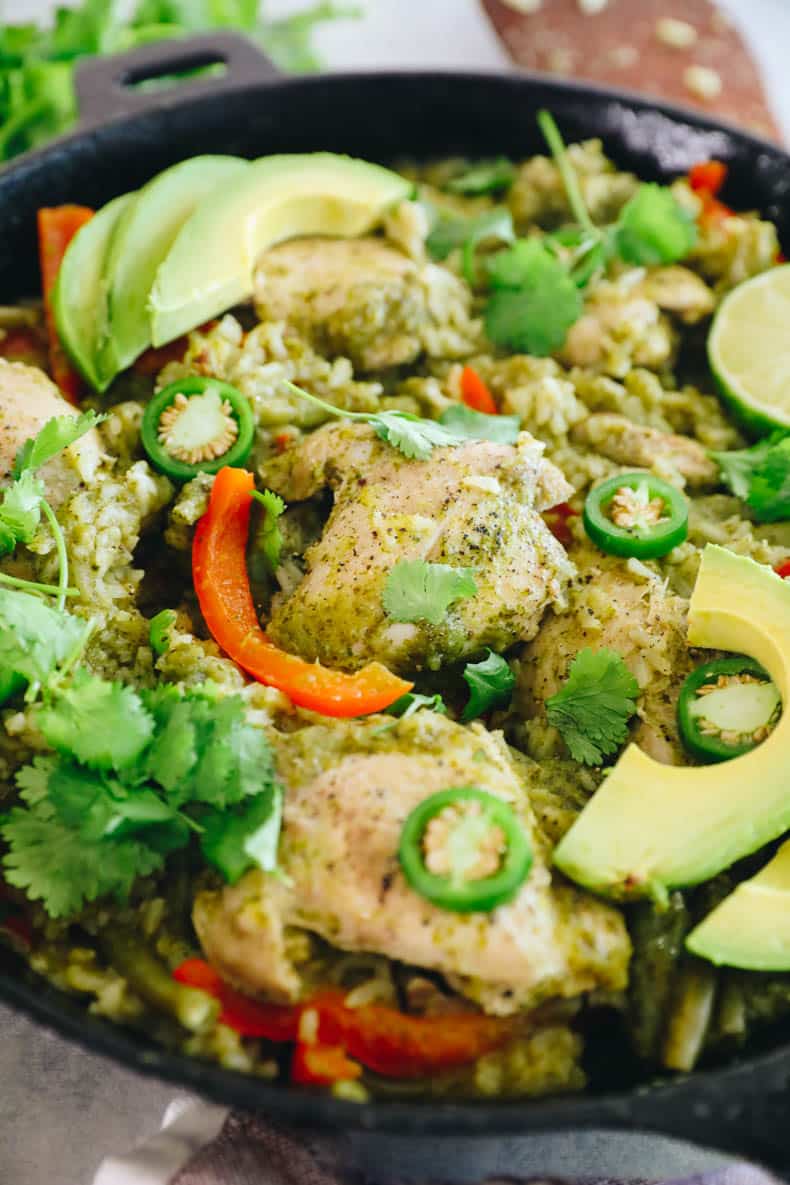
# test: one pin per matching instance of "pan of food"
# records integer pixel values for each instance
(394, 524)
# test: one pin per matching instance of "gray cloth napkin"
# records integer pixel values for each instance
(203, 1144)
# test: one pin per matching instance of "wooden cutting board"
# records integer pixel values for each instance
(683, 51)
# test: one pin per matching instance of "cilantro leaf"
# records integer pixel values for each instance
(490, 683)
(20, 511)
(654, 228)
(484, 177)
(56, 435)
(412, 701)
(534, 302)
(416, 590)
(104, 725)
(269, 537)
(33, 780)
(234, 841)
(591, 711)
(476, 425)
(119, 817)
(760, 475)
(451, 231)
(769, 496)
(62, 867)
(414, 437)
(204, 750)
(34, 638)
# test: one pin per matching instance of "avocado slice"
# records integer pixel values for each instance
(751, 927)
(140, 241)
(653, 827)
(210, 265)
(80, 296)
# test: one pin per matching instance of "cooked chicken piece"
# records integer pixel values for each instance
(619, 329)
(364, 299)
(624, 323)
(27, 400)
(633, 613)
(680, 291)
(627, 443)
(474, 506)
(349, 790)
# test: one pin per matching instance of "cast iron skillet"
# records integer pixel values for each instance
(126, 137)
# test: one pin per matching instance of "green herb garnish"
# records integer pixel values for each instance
(269, 537)
(760, 475)
(452, 230)
(484, 177)
(490, 683)
(534, 302)
(23, 502)
(591, 711)
(416, 590)
(536, 282)
(414, 437)
(135, 774)
(476, 425)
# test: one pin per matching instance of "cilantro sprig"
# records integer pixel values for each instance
(413, 436)
(269, 537)
(453, 230)
(133, 776)
(534, 301)
(416, 590)
(653, 228)
(37, 640)
(490, 684)
(23, 502)
(484, 177)
(536, 283)
(591, 711)
(760, 475)
(477, 425)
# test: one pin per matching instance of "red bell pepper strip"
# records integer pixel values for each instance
(557, 521)
(249, 1018)
(475, 393)
(57, 226)
(385, 1040)
(783, 570)
(322, 1065)
(706, 179)
(397, 1045)
(708, 175)
(219, 572)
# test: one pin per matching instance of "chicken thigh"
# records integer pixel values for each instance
(633, 613)
(366, 300)
(349, 790)
(475, 506)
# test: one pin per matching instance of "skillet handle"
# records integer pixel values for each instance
(108, 87)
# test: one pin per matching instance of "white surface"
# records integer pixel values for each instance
(62, 1110)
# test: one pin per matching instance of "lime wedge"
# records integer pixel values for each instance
(749, 350)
